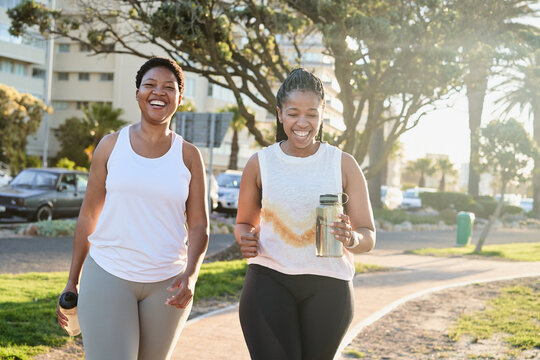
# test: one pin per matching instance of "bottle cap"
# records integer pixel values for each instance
(329, 199)
(68, 300)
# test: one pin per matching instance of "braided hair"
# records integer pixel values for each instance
(298, 80)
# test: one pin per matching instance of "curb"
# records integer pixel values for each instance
(354, 331)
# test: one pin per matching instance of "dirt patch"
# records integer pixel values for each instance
(418, 329)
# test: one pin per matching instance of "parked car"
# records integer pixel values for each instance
(4, 178)
(229, 188)
(391, 197)
(43, 194)
(411, 197)
(214, 188)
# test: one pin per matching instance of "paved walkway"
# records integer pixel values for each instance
(219, 336)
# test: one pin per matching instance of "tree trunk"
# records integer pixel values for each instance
(442, 183)
(476, 82)
(422, 181)
(233, 158)
(376, 151)
(536, 170)
(495, 216)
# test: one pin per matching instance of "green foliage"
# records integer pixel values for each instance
(78, 137)
(52, 228)
(512, 210)
(513, 313)
(484, 206)
(423, 167)
(32, 161)
(449, 216)
(506, 150)
(20, 116)
(446, 200)
(65, 163)
(392, 216)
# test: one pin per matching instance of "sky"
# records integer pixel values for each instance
(446, 130)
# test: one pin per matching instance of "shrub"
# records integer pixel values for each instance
(449, 216)
(488, 203)
(56, 228)
(392, 216)
(512, 210)
(476, 208)
(446, 200)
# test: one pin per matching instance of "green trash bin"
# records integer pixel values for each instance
(465, 222)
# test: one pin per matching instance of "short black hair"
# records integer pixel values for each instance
(159, 61)
(298, 80)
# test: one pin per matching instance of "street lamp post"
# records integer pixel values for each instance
(48, 90)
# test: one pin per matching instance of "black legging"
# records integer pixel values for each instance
(294, 316)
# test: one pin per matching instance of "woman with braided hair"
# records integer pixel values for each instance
(296, 305)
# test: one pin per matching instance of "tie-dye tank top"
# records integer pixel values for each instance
(290, 195)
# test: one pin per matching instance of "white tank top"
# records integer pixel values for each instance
(290, 195)
(141, 233)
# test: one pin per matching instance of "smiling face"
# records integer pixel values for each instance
(158, 95)
(301, 116)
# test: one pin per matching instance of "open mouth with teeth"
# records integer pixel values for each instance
(158, 104)
(301, 133)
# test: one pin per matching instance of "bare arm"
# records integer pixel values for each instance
(197, 225)
(91, 208)
(246, 230)
(359, 215)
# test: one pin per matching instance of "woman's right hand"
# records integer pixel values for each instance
(62, 319)
(249, 243)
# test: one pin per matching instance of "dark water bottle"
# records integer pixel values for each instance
(68, 307)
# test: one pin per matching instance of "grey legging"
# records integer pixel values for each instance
(126, 320)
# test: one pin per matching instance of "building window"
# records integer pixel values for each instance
(106, 77)
(82, 105)
(210, 91)
(60, 105)
(63, 48)
(63, 76)
(7, 66)
(189, 87)
(85, 48)
(38, 73)
(20, 69)
(84, 76)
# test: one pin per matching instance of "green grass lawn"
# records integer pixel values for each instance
(515, 313)
(516, 251)
(28, 304)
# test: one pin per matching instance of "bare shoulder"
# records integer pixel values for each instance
(190, 154)
(252, 171)
(106, 145)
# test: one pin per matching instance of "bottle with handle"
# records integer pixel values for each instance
(327, 212)
(68, 307)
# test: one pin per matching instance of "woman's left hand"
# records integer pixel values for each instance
(342, 230)
(187, 288)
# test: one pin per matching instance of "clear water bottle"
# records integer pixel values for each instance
(328, 212)
(68, 307)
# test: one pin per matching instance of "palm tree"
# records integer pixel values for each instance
(424, 166)
(486, 33)
(102, 119)
(446, 168)
(238, 122)
(526, 96)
